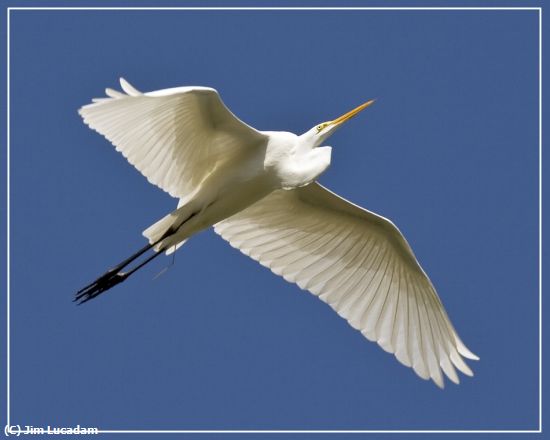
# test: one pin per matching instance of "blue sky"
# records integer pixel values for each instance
(449, 153)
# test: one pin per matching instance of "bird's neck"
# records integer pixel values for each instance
(305, 167)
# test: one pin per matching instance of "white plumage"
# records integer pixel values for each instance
(258, 190)
(174, 137)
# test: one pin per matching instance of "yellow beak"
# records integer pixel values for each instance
(351, 113)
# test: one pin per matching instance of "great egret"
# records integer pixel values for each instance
(258, 190)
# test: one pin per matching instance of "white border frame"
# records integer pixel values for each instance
(230, 8)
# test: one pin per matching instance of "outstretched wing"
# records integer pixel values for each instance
(358, 263)
(174, 137)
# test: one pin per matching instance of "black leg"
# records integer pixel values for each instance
(113, 276)
(140, 265)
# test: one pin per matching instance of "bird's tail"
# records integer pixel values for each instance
(158, 229)
(161, 228)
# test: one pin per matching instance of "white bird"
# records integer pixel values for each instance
(259, 191)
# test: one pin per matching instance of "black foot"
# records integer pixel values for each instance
(114, 276)
(102, 284)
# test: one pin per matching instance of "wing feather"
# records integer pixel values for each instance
(359, 264)
(174, 137)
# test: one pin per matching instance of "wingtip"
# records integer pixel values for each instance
(469, 355)
(465, 352)
(439, 382)
(460, 364)
(113, 93)
(128, 88)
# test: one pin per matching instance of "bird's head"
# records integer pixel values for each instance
(324, 130)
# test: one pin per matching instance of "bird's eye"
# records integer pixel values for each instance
(319, 128)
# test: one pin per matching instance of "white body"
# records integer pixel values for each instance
(278, 163)
(258, 190)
